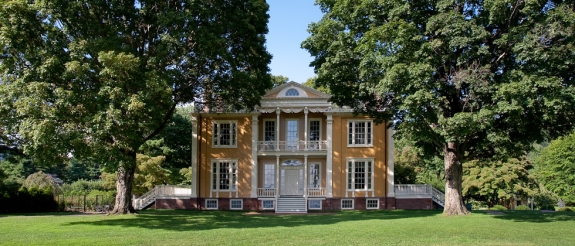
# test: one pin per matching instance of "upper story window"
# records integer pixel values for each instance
(225, 134)
(292, 93)
(360, 133)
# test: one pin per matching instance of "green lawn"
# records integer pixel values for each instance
(166, 227)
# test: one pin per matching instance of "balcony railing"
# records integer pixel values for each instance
(413, 189)
(292, 145)
(173, 190)
(315, 192)
(267, 192)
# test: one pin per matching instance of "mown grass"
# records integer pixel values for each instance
(168, 227)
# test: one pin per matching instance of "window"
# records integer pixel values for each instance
(225, 134)
(267, 204)
(211, 203)
(292, 93)
(269, 172)
(359, 174)
(314, 204)
(269, 134)
(372, 204)
(346, 203)
(314, 176)
(224, 175)
(360, 133)
(314, 134)
(237, 204)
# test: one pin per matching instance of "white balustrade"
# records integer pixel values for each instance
(413, 189)
(315, 192)
(292, 145)
(267, 192)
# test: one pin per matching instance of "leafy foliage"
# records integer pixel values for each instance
(41, 181)
(555, 168)
(311, 82)
(491, 181)
(149, 173)
(278, 80)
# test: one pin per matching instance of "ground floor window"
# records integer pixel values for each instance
(346, 203)
(224, 174)
(268, 204)
(211, 203)
(236, 204)
(359, 174)
(314, 204)
(372, 204)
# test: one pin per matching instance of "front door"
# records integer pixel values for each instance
(291, 181)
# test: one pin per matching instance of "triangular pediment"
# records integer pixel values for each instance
(294, 90)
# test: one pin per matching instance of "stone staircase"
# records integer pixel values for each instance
(291, 205)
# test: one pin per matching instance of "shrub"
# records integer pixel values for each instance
(564, 209)
(498, 207)
(522, 207)
(82, 187)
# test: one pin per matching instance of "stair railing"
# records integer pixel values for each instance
(145, 199)
(437, 196)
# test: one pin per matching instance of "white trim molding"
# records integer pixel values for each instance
(194, 177)
(390, 163)
(254, 157)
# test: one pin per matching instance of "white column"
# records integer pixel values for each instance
(277, 176)
(305, 178)
(390, 169)
(194, 177)
(255, 138)
(277, 129)
(328, 164)
(305, 128)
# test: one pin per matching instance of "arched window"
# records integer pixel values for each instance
(292, 93)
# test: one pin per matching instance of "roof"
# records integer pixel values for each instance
(308, 92)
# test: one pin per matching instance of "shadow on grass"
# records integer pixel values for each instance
(184, 220)
(535, 216)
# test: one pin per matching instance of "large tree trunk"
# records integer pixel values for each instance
(124, 183)
(453, 181)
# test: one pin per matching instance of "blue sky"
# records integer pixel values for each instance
(287, 29)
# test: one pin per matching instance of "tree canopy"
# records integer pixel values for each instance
(465, 79)
(555, 167)
(100, 78)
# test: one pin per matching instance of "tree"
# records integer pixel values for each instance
(555, 167)
(278, 80)
(149, 173)
(311, 83)
(490, 181)
(41, 181)
(100, 78)
(466, 79)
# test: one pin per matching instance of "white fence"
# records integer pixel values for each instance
(173, 190)
(413, 190)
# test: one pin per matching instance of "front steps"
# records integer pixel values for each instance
(291, 205)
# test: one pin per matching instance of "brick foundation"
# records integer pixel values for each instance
(413, 203)
(163, 203)
(253, 204)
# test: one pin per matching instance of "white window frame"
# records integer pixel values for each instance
(368, 133)
(233, 135)
(273, 204)
(347, 176)
(352, 203)
(264, 130)
(371, 199)
(309, 174)
(309, 128)
(232, 185)
(237, 200)
(309, 205)
(289, 145)
(211, 200)
(273, 175)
